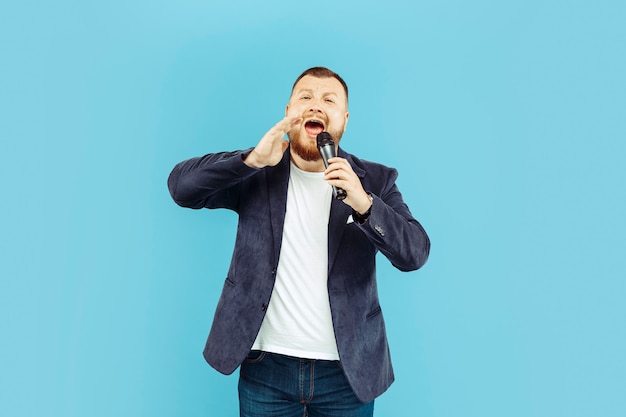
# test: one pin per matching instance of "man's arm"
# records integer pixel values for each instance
(211, 181)
(394, 231)
(384, 218)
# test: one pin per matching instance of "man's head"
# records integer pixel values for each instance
(322, 72)
(320, 97)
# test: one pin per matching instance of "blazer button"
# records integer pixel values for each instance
(264, 307)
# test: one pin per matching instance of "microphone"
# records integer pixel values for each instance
(326, 146)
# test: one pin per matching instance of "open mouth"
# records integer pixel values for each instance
(314, 127)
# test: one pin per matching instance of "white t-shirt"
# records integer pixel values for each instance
(298, 321)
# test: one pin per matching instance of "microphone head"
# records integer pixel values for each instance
(324, 139)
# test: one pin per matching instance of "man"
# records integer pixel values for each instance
(299, 310)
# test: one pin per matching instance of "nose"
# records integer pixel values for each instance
(315, 106)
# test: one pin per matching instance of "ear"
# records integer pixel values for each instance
(345, 123)
(286, 110)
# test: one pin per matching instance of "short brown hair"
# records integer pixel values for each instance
(322, 72)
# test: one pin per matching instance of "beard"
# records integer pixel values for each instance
(307, 149)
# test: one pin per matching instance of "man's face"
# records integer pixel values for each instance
(323, 106)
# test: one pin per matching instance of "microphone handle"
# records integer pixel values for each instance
(339, 193)
(327, 152)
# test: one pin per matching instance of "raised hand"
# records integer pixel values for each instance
(269, 151)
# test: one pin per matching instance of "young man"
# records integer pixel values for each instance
(299, 310)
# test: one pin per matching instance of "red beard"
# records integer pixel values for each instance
(305, 148)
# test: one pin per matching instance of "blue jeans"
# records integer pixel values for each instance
(273, 385)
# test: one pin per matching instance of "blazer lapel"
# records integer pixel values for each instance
(339, 213)
(278, 182)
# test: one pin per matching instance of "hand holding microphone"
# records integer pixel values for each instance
(355, 196)
(326, 146)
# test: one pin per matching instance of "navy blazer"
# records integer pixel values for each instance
(259, 196)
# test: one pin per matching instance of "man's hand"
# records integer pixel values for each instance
(340, 174)
(270, 149)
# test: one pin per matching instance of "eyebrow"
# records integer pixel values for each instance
(308, 90)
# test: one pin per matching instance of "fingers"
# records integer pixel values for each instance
(285, 125)
(272, 145)
(338, 164)
(340, 174)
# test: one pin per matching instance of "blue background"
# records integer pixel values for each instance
(506, 120)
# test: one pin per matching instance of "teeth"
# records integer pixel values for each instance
(316, 121)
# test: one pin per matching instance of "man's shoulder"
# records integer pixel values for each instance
(363, 166)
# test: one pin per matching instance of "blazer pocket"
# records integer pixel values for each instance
(375, 312)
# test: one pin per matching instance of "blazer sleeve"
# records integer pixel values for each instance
(210, 181)
(392, 228)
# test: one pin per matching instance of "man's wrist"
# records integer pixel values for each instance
(252, 161)
(361, 218)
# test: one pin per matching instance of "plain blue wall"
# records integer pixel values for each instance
(506, 120)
